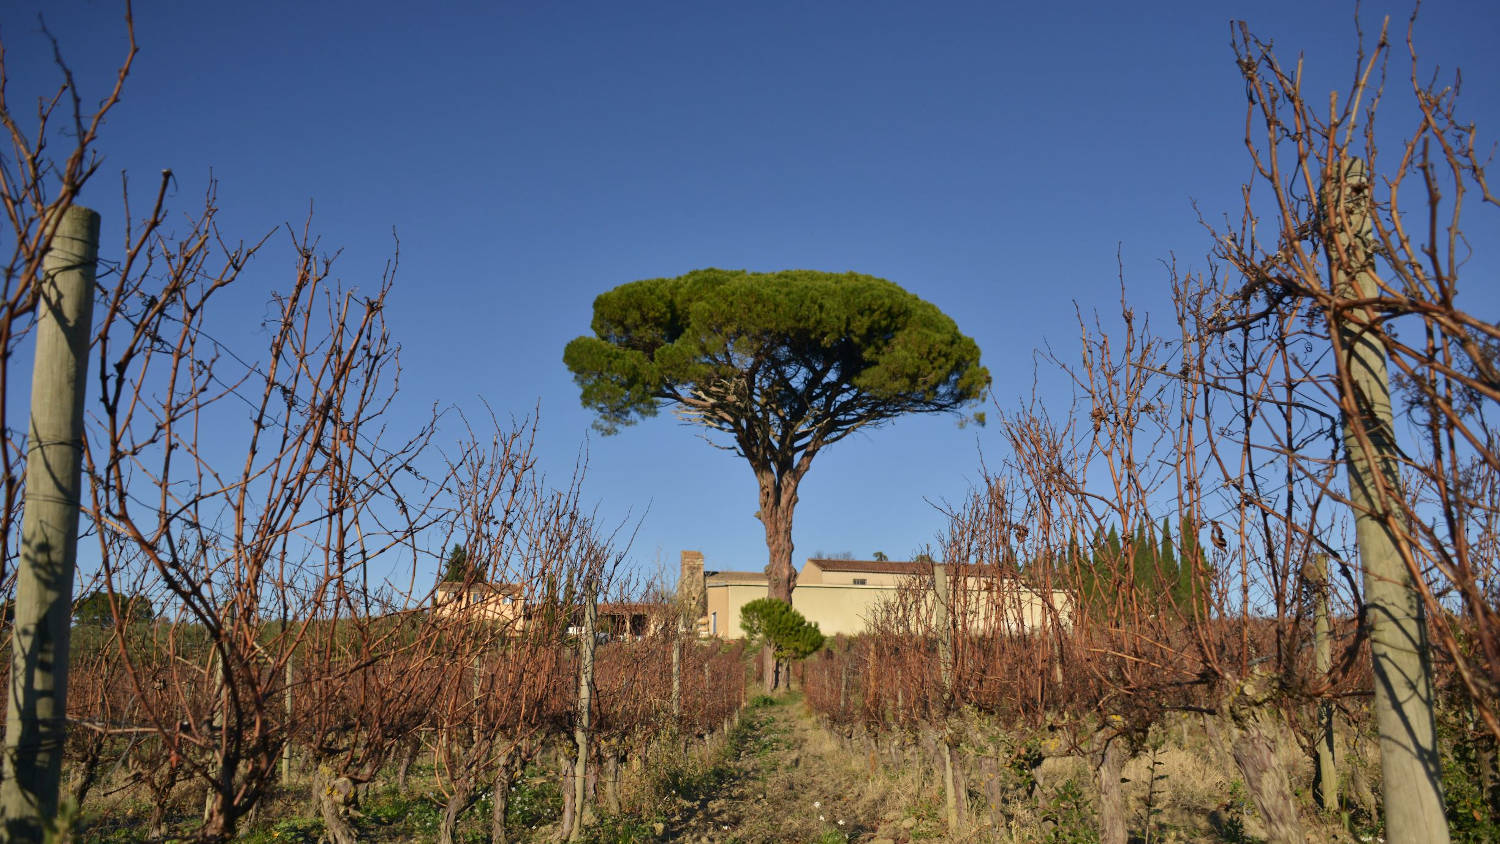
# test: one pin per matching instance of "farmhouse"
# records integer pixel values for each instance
(504, 604)
(844, 596)
(841, 596)
(479, 601)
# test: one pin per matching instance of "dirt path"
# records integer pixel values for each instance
(785, 781)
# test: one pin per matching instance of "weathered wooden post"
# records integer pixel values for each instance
(584, 718)
(677, 676)
(36, 715)
(943, 619)
(1411, 773)
(286, 750)
(1326, 778)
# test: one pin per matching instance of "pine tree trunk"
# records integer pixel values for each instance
(778, 497)
(776, 504)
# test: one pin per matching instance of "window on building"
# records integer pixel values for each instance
(861, 581)
(713, 624)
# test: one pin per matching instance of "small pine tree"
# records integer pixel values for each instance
(773, 622)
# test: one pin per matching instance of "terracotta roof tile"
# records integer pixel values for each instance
(894, 567)
(734, 577)
(500, 588)
(871, 566)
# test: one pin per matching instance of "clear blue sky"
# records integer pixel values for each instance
(990, 157)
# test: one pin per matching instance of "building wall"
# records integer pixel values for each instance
(1014, 609)
(839, 608)
(477, 605)
(847, 609)
(847, 578)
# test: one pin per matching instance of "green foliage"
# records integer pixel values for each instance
(1192, 571)
(1068, 816)
(1160, 572)
(1022, 764)
(1473, 816)
(693, 784)
(459, 569)
(620, 829)
(769, 621)
(1229, 822)
(880, 557)
(418, 815)
(94, 608)
(289, 830)
(835, 350)
(535, 799)
(1166, 556)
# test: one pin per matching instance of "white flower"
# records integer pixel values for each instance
(817, 804)
(841, 821)
(821, 818)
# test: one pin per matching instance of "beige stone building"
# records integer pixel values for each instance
(499, 603)
(504, 605)
(844, 596)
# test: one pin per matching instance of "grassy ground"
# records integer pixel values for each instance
(784, 780)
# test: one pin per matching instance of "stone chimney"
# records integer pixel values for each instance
(690, 590)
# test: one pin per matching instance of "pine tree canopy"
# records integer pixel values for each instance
(774, 622)
(781, 361)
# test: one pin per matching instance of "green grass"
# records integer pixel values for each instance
(292, 830)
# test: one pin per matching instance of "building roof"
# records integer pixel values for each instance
(871, 566)
(511, 589)
(754, 577)
(898, 567)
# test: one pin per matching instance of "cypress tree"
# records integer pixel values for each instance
(1166, 565)
(1143, 563)
(1114, 557)
(1192, 571)
(458, 568)
(1091, 570)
